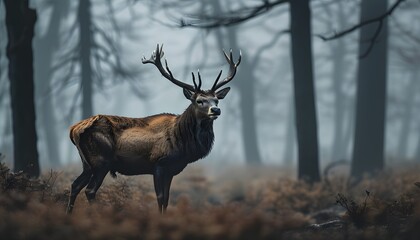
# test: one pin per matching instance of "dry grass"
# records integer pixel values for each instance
(237, 203)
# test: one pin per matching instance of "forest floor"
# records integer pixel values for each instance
(236, 203)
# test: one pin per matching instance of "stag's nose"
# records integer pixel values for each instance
(215, 110)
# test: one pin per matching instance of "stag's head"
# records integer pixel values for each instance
(205, 102)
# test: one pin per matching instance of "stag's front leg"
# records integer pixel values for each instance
(166, 189)
(158, 189)
(162, 181)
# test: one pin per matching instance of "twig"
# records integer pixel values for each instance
(330, 224)
(372, 40)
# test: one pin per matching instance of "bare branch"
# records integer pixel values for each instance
(361, 24)
(231, 18)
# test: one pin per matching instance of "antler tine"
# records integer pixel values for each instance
(217, 80)
(199, 80)
(197, 87)
(232, 70)
(160, 50)
(155, 59)
(193, 77)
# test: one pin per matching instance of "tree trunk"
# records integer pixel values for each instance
(417, 153)
(368, 149)
(290, 138)
(86, 42)
(338, 54)
(20, 22)
(45, 47)
(348, 132)
(6, 143)
(247, 105)
(306, 122)
(417, 150)
(408, 108)
(338, 67)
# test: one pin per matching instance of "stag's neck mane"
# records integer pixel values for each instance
(194, 136)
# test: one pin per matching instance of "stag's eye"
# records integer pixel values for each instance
(200, 102)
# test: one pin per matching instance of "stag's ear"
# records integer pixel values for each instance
(222, 93)
(188, 94)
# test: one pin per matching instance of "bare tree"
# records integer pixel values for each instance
(338, 52)
(97, 50)
(20, 22)
(304, 93)
(45, 47)
(368, 151)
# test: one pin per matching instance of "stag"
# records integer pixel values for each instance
(161, 145)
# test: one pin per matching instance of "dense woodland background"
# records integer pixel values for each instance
(354, 96)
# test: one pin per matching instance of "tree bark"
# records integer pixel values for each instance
(86, 42)
(20, 22)
(306, 121)
(368, 149)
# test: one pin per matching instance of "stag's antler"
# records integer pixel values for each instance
(155, 60)
(232, 71)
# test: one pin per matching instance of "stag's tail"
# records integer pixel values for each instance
(79, 128)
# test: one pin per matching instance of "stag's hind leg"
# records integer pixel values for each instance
(97, 148)
(77, 186)
(95, 183)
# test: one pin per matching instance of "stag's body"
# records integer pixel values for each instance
(161, 145)
(139, 145)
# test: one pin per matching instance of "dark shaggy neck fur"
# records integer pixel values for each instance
(194, 136)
